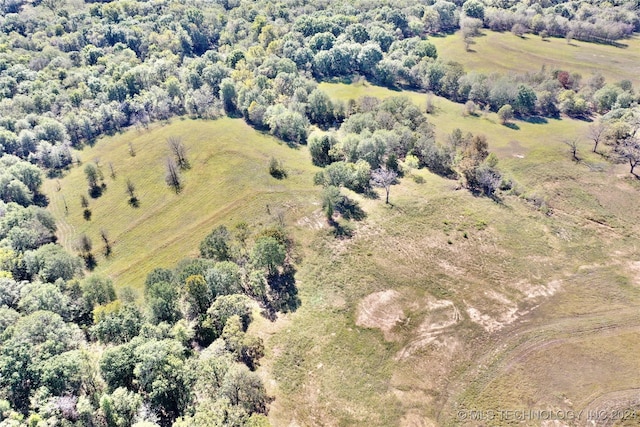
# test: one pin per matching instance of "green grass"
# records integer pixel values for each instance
(526, 149)
(228, 182)
(434, 243)
(437, 244)
(507, 53)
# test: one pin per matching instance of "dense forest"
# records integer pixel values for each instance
(73, 351)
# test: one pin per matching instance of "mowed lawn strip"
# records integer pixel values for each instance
(228, 182)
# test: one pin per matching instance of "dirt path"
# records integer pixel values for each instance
(506, 350)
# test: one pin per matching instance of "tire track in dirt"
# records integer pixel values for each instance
(504, 352)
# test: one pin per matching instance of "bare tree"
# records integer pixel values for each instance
(573, 147)
(629, 149)
(132, 150)
(179, 151)
(173, 178)
(131, 191)
(383, 178)
(596, 134)
(112, 171)
(107, 243)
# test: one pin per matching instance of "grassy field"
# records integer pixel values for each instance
(441, 302)
(507, 53)
(446, 302)
(228, 182)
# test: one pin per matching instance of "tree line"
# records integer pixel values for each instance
(75, 352)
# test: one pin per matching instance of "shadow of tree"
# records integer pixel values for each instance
(350, 209)
(282, 295)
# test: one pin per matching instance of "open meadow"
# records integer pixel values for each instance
(440, 302)
(495, 52)
(228, 183)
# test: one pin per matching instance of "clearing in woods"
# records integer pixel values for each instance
(228, 182)
(439, 301)
(505, 53)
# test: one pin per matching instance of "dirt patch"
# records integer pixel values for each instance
(381, 310)
(634, 267)
(504, 310)
(315, 221)
(413, 419)
(441, 316)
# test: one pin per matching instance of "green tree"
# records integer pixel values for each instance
(226, 306)
(247, 349)
(319, 148)
(197, 296)
(34, 339)
(525, 103)
(320, 108)
(224, 278)
(162, 302)
(269, 254)
(116, 323)
(117, 364)
(68, 373)
(330, 198)
(216, 244)
(51, 262)
(161, 373)
(245, 388)
(92, 174)
(505, 114)
(97, 290)
(121, 407)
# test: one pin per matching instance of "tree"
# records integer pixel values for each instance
(525, 102)
(473, 9)
(216, 244)
(383, 178)
(244, 388)
(226, 306)
(597, 132)
(224, 278)
(197, 297)
(247, 349)
(161, 373)
(319, 147)
(320, 108)
(92, 174)
(104, 236)
(268, 253)
(573, 147)
(330, 198)
(276, 169)
(34, 339)
(162, 301)
(85, 245)
(51, 262)
(97, 290)
(117, 364)
(179, 151)
(629, 150)
(505, 113)
(116, 323)
(172, 177)
(131, 192)
(229, 96)
(121, 407)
